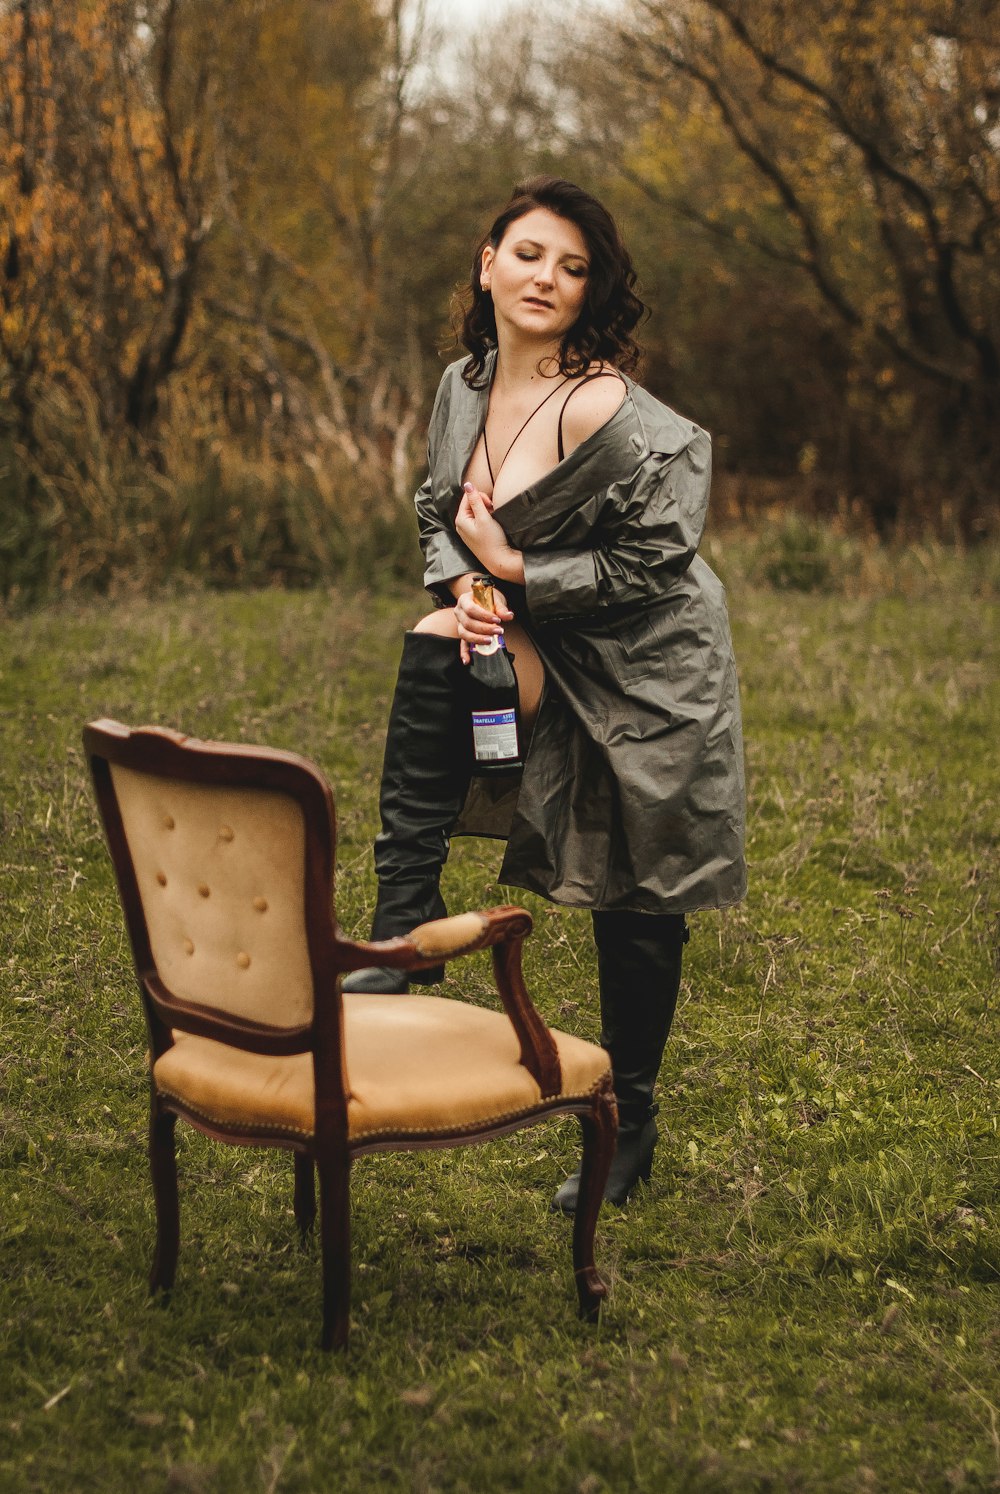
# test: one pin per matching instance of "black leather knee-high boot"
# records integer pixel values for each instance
(425, 777)
(639, 964)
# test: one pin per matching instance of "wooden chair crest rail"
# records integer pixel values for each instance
(224, 857)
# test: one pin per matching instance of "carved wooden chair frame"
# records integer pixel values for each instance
(329, 1151)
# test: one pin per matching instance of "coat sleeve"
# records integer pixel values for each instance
(445, 556)
(647, 536)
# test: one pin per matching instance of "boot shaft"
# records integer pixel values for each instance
(639, 958)
(427, 762)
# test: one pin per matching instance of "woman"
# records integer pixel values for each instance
(585, 499)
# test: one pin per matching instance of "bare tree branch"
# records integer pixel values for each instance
(879, 165)
(741, 122)
(769, 168)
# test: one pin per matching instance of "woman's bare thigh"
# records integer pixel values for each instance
(527, 665)
(529, 669)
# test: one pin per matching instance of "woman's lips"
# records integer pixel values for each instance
(537, 301)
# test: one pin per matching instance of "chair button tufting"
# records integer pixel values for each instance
(188, 947)
(260, 903)
(243, 960)
(168, 822)
(203, 889)
(226, 832)
(161, 878)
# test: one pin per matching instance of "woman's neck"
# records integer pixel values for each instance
(522, 362)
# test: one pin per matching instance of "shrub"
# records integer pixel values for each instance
(85, 509)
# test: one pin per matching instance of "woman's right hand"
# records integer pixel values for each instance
(475, 624)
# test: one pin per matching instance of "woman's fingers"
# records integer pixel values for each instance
(472, 502)
(475, 512)
(475, 613)
(477, 634)
(500, 602)
(477, 625)
(475, 617)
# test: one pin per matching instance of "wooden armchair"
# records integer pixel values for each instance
(224, 857)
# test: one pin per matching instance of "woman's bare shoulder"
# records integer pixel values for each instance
(591, 402)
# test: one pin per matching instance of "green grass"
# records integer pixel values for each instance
(806, 1297)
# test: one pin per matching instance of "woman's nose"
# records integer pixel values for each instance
(544, 275)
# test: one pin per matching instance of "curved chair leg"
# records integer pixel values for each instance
(600, 1130)
(335, 1242)
(163, 1167)
(305, 1192)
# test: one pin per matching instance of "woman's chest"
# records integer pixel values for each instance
(518, 447)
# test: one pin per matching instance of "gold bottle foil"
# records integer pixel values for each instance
(482, 593)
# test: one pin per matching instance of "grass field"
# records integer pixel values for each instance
(806, 1298)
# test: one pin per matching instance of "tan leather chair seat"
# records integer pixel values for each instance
(416, 1065)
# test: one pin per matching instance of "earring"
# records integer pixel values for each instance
(484, 285)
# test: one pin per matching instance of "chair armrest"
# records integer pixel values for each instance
(440, 939)
(501, 929)
(461, 934)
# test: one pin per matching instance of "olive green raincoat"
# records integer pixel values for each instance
(632, 793)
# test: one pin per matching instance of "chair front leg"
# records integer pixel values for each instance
(305, 1192)
(334, 1170)
(163, 1167)
(600, 1131)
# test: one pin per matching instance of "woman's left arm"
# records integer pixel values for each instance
(649, 535)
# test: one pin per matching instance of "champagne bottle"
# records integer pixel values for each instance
(496, 732)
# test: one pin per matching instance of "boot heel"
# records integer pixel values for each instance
(631, 1165)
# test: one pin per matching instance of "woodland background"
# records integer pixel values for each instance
(230, 235)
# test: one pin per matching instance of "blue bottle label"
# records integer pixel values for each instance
(494, 736)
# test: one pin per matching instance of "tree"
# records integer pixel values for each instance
(854, 145)
(184, 186)
(104, 200)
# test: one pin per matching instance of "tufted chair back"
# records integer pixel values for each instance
(220, 873)
(224, 860)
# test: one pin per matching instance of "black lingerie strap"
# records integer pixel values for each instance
(510, 448)
(604, 373)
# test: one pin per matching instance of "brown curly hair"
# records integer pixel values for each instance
(611, 308)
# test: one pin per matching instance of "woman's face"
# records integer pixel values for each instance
(537, 275)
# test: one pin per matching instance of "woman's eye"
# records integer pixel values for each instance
(577, 271)
(524, 254)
